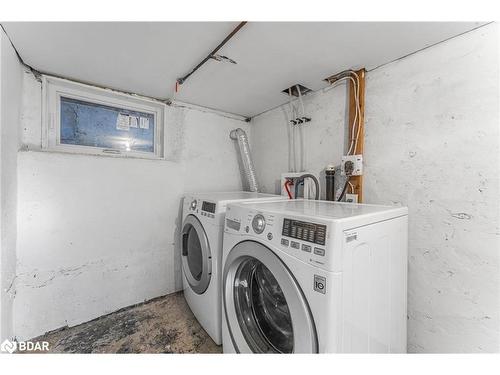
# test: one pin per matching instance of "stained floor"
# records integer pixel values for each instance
(163, 325)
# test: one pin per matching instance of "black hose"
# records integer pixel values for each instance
(303, 177)
(343, 190)
(330, 184)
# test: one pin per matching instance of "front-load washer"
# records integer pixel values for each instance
(303, 276)
(201, 253)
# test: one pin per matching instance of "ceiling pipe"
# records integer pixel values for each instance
(181, 80)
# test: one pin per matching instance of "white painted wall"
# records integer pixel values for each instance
(99, 233)
(10, 104)
(432, 144)
(435, 116)
(324, 138)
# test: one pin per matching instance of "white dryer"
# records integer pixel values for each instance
(303, 276)
(201, 253)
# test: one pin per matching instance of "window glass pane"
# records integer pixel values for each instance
(97, 125)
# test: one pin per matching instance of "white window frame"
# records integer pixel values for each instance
(54, 88)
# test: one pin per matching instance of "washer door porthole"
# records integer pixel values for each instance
(196, 255)
(265, 309)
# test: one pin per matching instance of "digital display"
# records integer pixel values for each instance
(301, 230)
(208, 207)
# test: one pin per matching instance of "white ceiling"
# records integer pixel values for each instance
(147, 58)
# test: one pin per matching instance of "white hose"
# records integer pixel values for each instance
(301, 101)
(302, 148)
(301, 131)
(289, 129)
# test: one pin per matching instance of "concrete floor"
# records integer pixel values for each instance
(163, 325)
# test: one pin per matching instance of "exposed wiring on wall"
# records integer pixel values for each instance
(351, 186)
(343, 190)
(357, 115)
(356, 126)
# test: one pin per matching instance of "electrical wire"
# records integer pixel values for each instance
(357, 115)
(343, 190)
(351, 186)
(355, 128)
(358, 109)
(287, 188)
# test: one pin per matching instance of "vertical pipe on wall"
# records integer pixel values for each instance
(330, 183)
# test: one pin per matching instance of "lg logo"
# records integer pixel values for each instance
(320, 284)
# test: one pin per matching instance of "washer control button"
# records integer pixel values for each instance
(269, 236)
(284, 242)
(258, 223)
(194, 204)
(295, 245)
(247, 229)
(319, 251)
(306, 248)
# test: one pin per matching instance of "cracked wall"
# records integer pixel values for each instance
(96, 234)
(10, 104)
(432, 144)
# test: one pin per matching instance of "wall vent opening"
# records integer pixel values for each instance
(303, 90)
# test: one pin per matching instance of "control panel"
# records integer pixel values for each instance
(305, 240)
(207, 208)
(301, 230)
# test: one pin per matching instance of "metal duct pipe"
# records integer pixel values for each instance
(246, 158)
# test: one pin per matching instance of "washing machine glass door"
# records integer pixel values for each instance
(265, 309)
(196, 255)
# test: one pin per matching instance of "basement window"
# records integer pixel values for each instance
(85, 119)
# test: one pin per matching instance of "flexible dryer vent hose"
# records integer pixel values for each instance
(246, 158)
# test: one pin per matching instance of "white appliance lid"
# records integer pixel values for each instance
(325, 209)
(232, 195)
